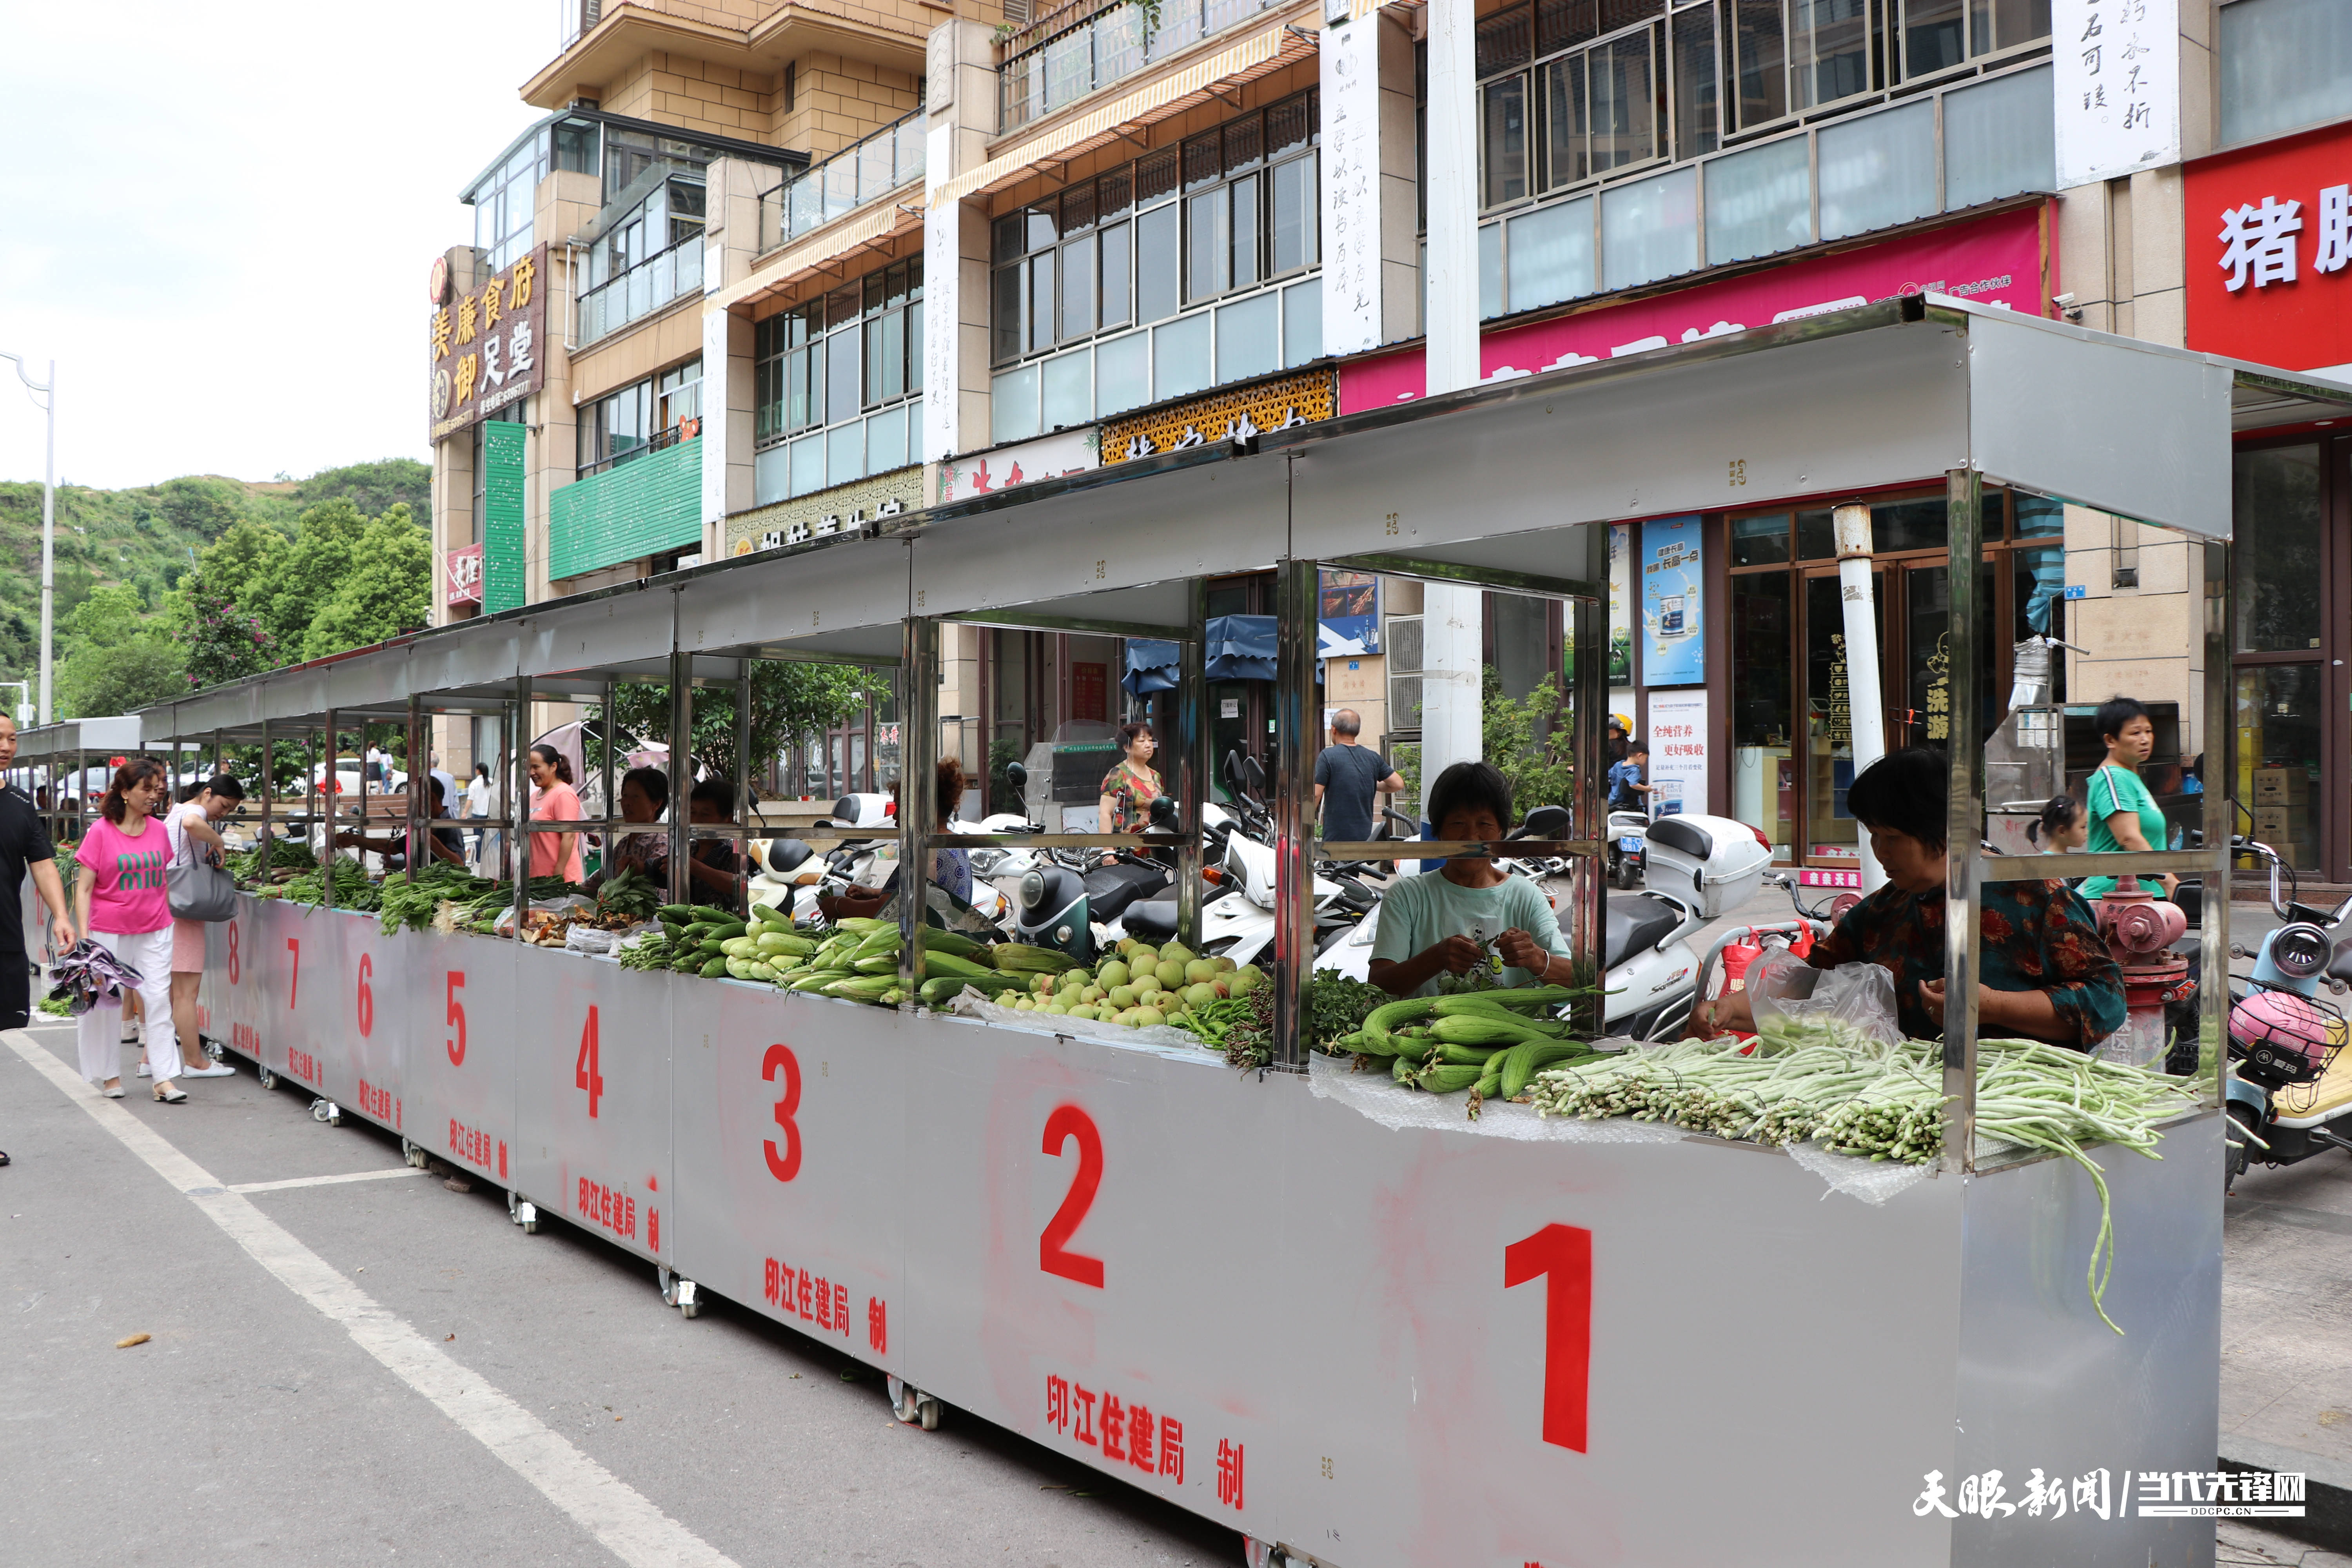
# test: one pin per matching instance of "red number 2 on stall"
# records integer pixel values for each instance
(1561, 1255)
(1066, 1122)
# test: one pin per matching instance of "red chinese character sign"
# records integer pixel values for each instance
(2269, 240)
(461, 575)
(486, 348)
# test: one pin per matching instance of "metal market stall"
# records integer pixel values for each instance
(1359, 1339)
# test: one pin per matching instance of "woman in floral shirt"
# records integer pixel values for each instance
(1129, 789)
(2042, 972)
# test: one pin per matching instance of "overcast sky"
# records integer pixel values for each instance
(219, 220)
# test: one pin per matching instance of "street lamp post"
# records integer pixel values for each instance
(47, 399)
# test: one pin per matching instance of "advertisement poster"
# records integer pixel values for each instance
(1089, 686)
(1621, 615)
(1673, 645)
(1678, 751)
(1348, 616)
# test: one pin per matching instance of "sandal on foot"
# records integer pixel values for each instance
(165, 1093)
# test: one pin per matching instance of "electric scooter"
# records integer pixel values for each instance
(2289, 1095)
(1628, 832)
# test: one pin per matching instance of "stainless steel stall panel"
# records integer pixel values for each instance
(458, 1074)
(793, 1160)
(593, 1096)
(365, 1076)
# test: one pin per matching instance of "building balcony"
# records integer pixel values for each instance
(863, 172)
(639, 292)
(1077, 49)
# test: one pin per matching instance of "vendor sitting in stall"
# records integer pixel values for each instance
(645, 800)
(712, 865)
(447, 845)
(2042, 970)
(1442, 920)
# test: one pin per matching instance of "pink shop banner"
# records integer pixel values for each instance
(2000, 261)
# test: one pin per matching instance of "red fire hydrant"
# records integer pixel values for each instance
(2140, 930)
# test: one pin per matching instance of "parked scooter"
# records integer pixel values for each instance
(1629, 833)
(2290, 1095)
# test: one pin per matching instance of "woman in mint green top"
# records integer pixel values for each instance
(2123, 814)
(1441, 922)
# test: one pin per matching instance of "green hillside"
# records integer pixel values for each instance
(145, 538)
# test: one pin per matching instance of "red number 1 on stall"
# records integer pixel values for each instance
(585, 1072)
(1066, 1122)
(1561, 1255)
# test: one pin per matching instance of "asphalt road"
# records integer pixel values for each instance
(256, 1426)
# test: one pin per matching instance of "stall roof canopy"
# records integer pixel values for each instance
(110, 736)
(1502, 478)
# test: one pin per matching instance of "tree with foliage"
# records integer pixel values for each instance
(222, 642)
(385, 588)
(790, 702)
(1529, 741)
(118, 657)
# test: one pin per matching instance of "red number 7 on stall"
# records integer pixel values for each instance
(1561, 1255)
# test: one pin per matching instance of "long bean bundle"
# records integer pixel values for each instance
(1880, 1102)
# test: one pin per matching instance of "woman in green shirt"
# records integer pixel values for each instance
(1441, 922)
(2123, 814)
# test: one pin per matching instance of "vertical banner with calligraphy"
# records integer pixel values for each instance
(487, 349)
(1621, 598)
(1673, 603)
(1351, 186)
(1678, 751)
(2117, 86)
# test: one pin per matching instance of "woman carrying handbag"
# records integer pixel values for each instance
(119, 904)
(200, 893)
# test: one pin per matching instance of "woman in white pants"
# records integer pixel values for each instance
(121, 903)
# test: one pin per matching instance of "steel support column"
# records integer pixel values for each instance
(1587, 921)
(519, 800)
(2217, 741)
(1194, 763)
(1964, 819)
(329, 787)
(420, 788)
(1296, 729)
(919, 759)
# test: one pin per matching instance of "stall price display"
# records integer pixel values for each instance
(1130, 1431)
(813, 1298)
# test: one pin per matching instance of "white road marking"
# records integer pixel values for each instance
(615, 1514)
(383, 1175)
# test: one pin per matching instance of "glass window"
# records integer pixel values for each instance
(1928, 598)
(1999, 138)
(2284, 65)
(886, 440)
(1079, 265)
(1069, 389)
(1296, 219)
(2039, 517)
(1759, 542)
(1208, 251)
(1123, 374)
(2275, 567)
(1249, 340)
(1504, 139)
(1878, 171)
(1627, 108)
(1302, 322)
(1695, 108)
(1551, 255)
(1816, 536)
(1504, 40)
(1117, 276)
(2280, 708)
(1934, 36)
(1829, 50)
(808, 465)
(1567, 150)
(1490, 272)
(1012, 405)
(1006, 332)
(1759, 62)
(1248, 264)
(1041, 313)
(845, 453)
(1562, 24)
(1179, 354)
(841, 382)
(1649, 229)
(1157, 255)
(1911, 525)
(1759, 202)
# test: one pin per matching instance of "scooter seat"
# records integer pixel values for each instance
(1635, 922)
(1153, 921)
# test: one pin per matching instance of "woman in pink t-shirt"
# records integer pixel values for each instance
(121, 903)
(554, 800)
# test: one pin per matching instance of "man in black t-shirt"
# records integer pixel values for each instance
(1346, 776)
(23, 846)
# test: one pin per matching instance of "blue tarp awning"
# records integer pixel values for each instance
(1150, 665)
(1241, 647)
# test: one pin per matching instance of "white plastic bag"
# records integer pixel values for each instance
(1858, 996)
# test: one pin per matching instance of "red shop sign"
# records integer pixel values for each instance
(2269, 238)
(461, 575)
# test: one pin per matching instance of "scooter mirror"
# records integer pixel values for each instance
(1233, 769)
(1017, 775)
(1544, 821)
(1253, 774)
(1163, 814)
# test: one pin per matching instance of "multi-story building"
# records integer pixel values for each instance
(806, 266)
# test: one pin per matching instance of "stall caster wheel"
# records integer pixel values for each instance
(269, 1079)
(679, 1292)
(912, 1405)
(1258, 1553)
(328, 1112)
(523, 1213)
(413, 1153)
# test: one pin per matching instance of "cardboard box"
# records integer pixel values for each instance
(2278, 825)
(2282, 786)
